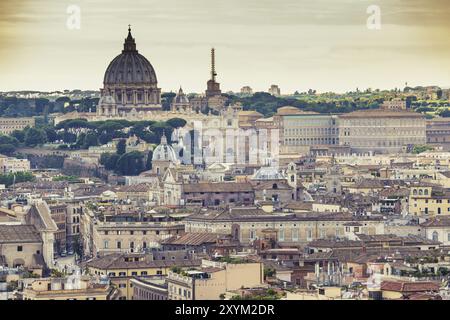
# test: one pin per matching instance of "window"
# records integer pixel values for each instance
(281, 235)
(20, 248)
(119, 245)
(105, 244)
(295, 235)
(435, 236)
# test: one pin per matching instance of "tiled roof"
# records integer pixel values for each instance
(218, 187)
(117, 261)
(19, 234)
(437, 222)
(193, 239)
(405, 286)
(280, 185)
(380, 113)
(142, 187)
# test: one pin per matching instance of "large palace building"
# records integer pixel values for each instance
(130, 84)
(382, 130)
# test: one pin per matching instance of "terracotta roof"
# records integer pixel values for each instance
(19, 234)
(280, 185)
(437, 222)
(381, 113)
(288, 110)
(424, 296)
(218, 187)
(192, 239)
(118, 261)
(142, 187)
(406, 286)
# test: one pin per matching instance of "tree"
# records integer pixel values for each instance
(7, 149)
(51, 134)
(90, 140)
(8, 140)
(176, 123)
(130, 164)
(166, 100)
(19, 135)
(67, 137)
(8, 179)
(34, 137)
(148, 163)
(80, 140)
(109, 160)
(421, 148)
(121, 147)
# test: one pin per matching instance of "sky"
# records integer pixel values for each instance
(297, 44)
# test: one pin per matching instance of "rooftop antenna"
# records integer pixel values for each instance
(213, 64)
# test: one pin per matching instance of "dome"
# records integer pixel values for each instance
(181, 98)
(164, 152)
(130, 67)
(268, 173)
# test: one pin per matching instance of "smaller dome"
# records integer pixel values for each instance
(164, 152)
(268, 173)
(181, 98)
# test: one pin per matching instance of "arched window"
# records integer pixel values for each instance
(275, 186)
(420, 192)
(435, 236)
(415, 192)
(425, 192)
(292, 178)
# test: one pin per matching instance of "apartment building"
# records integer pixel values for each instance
(8, 125)
(426, 200)
(249, 224)
(214, 279)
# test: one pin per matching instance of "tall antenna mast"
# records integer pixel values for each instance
(213, 64)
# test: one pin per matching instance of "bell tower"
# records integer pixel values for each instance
(213, 87)
(291, 174)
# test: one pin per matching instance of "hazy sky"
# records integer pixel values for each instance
(297, 44)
